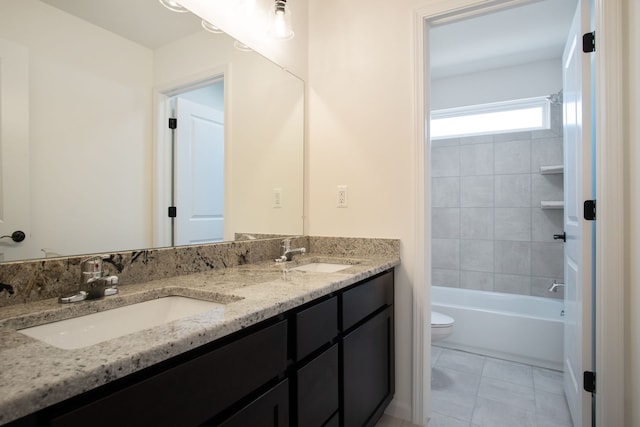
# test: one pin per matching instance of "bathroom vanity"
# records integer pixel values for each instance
(292, 347)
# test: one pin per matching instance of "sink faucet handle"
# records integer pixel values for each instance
(91, 268)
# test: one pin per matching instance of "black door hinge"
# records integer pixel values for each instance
(589, 381)
(173, 211)
(589, 42)
(173, 123)
(590, 210)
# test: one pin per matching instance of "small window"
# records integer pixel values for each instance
(500, 117)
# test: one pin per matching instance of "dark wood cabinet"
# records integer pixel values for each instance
(269, 410)
(368, 370)
(328, 363)
(194, 391)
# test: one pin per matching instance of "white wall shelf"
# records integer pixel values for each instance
(553, 169)
(552, 204)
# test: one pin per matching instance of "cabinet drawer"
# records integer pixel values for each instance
(194, 391)
(362, 300)
(315, 326)
(269, 410)
(318, 389)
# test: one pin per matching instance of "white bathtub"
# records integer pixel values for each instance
(520, 328)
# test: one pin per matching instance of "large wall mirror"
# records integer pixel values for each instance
(90, 163)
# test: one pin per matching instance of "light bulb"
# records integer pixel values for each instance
(173, 5)
(281, 25)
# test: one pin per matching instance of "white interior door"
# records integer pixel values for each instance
(578, 247)
(199, 174)
(14, 150)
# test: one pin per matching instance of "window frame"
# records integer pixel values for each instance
(494, 107)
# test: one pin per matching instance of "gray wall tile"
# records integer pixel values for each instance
(476, 223)
(546, 187)
(513, 257)
(476, 192)
(513, 157)
(445, 223)
(476, 280)
(447, 142)
(512, 136)
(546, 152)
(476, 159)
(478, 139)
(513, 224)
(547, 259)
(445, 253)
(513, 191)
(546, 223)
(476, 255)
(445, 192)
(445, 161)
(513, 284)
(448, 278)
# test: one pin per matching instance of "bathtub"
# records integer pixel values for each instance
(520, 328)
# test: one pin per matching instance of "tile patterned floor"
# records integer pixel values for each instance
(470, 390)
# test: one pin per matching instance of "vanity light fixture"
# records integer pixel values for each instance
(210, 27)
(173, 6)
(281, 21)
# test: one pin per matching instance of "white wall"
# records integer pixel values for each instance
(632, 276)
(539, 78)
(90, 123)
(361, 134)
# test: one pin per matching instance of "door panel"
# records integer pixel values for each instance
(578, 246)
(199, 174)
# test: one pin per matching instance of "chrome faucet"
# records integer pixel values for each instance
(555, 285)
(287, 253)
(93, 284)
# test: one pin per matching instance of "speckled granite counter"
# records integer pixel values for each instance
(35, 375)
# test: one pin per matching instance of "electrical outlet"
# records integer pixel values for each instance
(277, 197)
(342, 196)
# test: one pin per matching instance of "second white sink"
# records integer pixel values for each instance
(94, 328)
(322, 267)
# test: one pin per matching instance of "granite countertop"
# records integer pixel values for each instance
(35, 375)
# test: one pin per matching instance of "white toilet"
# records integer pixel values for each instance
(441, 326)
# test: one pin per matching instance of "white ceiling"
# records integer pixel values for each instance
(146, 22)
(519, 35)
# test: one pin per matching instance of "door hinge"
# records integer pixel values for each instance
(173, 123)
(590, 210)
(589, 381)
(173, 211)
(589, 42)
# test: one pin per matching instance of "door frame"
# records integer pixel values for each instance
(610, 408)
(162, 159)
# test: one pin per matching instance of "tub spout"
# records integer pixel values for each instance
(554, 286)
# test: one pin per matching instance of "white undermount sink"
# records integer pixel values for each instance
(90, 329)
(322, 267)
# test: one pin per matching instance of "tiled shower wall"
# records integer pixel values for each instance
(488, 229)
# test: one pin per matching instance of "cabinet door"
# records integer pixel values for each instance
(269, 410)
(194, 391)
(318, 389)
(368, 370)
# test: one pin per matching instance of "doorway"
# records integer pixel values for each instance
(190, 151)
(492, 268)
